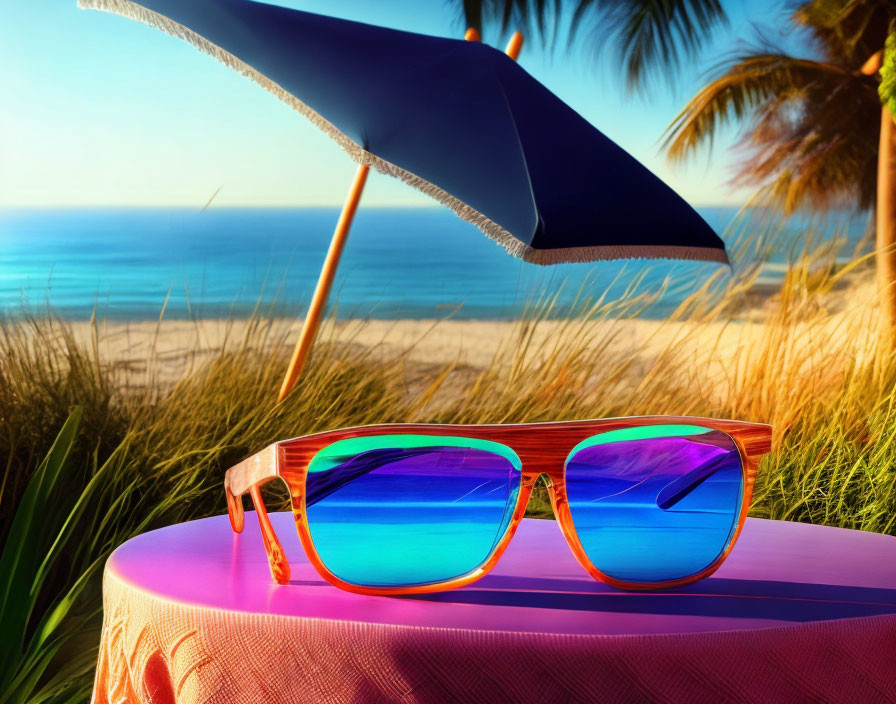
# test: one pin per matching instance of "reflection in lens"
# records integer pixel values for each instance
(404, 510)
(655, 503)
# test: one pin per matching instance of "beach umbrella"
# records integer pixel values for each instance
(458, 120)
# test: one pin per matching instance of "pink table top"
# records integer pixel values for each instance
(778, 574)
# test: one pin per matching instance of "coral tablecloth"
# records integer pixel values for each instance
(798, 613)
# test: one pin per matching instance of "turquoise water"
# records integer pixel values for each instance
(398, 263)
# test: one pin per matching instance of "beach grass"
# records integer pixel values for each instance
(143, 450)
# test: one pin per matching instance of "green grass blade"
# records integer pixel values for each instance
(23, 548)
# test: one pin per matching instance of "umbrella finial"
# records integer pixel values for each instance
(514, 46)
(472, 35)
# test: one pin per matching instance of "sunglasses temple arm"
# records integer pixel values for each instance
(675, 491)
(248, 477)
(678, 489)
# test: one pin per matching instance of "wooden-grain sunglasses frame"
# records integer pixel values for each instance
(543, 448)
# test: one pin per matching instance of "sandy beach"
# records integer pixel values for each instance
(175, 347)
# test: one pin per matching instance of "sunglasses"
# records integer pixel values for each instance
(644, 503)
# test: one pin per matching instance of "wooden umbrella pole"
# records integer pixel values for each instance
(337, 244)
(324, 283)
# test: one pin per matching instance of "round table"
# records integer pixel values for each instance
(797, 613)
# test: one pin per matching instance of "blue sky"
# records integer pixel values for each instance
(98, 110)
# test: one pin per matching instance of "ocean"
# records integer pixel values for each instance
(398, 263)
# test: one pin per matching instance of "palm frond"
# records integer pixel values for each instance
(747, 82)
(537, 15)
(810, 130)
(846, 31)
(472, 13)
(652, 36)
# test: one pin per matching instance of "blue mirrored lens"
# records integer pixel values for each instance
(655, 503)
(405, 510)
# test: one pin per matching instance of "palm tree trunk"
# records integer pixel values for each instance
(886, 214)
(886, 224)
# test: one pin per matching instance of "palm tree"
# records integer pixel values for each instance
(816, 135)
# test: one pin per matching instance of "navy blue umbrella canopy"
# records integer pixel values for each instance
(458, 120)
